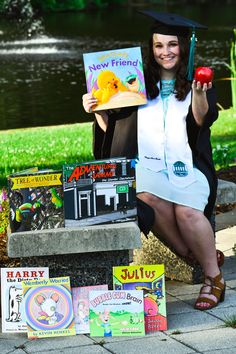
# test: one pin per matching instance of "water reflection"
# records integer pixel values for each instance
(42, 80)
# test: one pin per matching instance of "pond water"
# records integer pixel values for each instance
(42, 79)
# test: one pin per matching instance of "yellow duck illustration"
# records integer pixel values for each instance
(108, 85)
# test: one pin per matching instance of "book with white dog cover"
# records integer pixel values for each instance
(13, 313)
(115, 78)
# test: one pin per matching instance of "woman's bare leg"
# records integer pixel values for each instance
(165, 224)
(198, 236)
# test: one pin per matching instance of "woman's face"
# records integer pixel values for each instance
(166, 51)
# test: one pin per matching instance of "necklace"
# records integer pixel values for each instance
(167, 88)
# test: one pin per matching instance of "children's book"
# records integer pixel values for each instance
(36, 200)
(13, 310)
(48, 307)
(80, 301)
(99, 192)
(150, 279)
(115, 78)
(116, 313)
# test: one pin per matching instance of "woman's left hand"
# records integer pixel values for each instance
(199, 88)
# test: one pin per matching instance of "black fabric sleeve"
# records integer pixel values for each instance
(120, 138)
(199, 141)
(98, 139)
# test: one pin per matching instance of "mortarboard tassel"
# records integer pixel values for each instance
(191, 57)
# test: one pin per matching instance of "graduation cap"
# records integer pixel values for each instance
(175, 25)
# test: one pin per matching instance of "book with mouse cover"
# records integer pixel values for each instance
(48, 307)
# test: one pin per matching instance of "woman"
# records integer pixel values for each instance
(175, 173)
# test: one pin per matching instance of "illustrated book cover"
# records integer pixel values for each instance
(150, 279)
(116, 313)
(115, 78)
(80, 301)
(13, 309)
(99, 192)
(36, 200)
(48, 307)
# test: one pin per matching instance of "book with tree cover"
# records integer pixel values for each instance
(150, 279)
(36, 200)
(99, 192)
(13, 309)
(115, 78)
(48, 307)
(80, 301)
(116, 313)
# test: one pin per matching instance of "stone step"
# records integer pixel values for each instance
(226, 192)
(225, 220)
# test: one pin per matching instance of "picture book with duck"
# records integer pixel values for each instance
(48, 307)
(36, 200)
(13, 309)
(80, 301)
(150, 279)
(116, 313)
(115, 78)
(99, 192)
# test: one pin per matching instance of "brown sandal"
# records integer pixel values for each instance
(216, 288)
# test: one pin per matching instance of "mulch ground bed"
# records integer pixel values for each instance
(228, 174)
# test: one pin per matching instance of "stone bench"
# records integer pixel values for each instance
(86, 254)
(226, 192)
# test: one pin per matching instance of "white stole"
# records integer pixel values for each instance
(163, 141)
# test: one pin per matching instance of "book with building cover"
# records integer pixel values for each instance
(36, 200)
(80, 301)
(116, 313)
(115, 78)
(48, 307)
(99, 192)
(13, 310)
(150, 279)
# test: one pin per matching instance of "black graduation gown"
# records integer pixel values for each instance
(120, 139)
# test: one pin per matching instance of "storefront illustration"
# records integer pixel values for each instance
(90, 200)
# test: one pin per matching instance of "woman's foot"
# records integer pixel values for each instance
(212, 292)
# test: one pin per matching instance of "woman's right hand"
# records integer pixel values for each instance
(101, 116)
(88, 102)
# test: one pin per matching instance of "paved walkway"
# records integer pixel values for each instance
(189, 331)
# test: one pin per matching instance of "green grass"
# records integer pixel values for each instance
(51, 147)
(230, 321)
(44, 147)
(223, 132)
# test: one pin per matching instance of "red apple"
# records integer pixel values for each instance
(203, 74)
